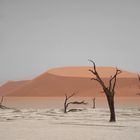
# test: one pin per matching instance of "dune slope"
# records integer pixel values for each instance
(11, 86)
(58, 81)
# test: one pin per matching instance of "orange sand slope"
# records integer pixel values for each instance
(83, 72)
(58, 81)
(10, 86)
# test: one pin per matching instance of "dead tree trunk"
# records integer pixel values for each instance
(108, 90)
(1, 102)
(139, 85)
(2, 106)
(93, 100)
(110, 100)
(67, 103)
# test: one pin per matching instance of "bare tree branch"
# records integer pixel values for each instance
(112, 81)
(139, 85)
(115, 79)
(109, 89)
(1, 100)
(95, 73)
(66, 103)
(78, 102)
(94, 65)
(139, 77)
(74, 93)
(95, 79)
(2, 106)
(92, 71)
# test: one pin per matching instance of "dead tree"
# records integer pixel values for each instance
(108, 90)
(1, 106)
(139, 85)
(93, 101)
(139, 77)
(67, 103)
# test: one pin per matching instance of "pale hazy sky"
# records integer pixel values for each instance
(36, 35)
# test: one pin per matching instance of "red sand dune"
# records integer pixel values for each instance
(10, 86)
(83, 72)
(58, 81)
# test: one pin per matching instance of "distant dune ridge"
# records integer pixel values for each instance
(11, 86)
(58, 81)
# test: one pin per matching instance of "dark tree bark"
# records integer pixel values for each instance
(139, 85)
(110, 100)
(2, 106)
(67, 103)
(1, 100)
(93, 101)
(108, 90)
(139, 77)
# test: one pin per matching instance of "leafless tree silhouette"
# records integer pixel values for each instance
(93, 101)
(139, 85)
(67, 102)
(1, 106)
(108, 90)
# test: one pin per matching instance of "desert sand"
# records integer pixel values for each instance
(58, 81)
(10, 86)
(53, 124)
(34, 118)
(83, 72)
(37, 107)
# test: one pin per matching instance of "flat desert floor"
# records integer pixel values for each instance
(53, 124)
